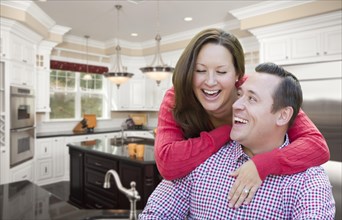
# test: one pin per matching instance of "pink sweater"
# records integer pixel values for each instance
(177, 157)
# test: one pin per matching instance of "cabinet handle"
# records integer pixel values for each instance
(317, 53)
(98, 183)
(149, 181)
(79, 155)
(24, 176)
(98, 164)
(45, 169)
(98, 206)
(45, 150)
(325, 52)
(25, 61)
(286, 57)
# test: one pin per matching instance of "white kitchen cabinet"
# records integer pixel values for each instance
(4, 45)
(139, 94)
(43, 75)
(22, 75)
(51, 160)
(43, 91)
(303, 47)
(22, 50)
(44, 170)
(331, 44)
(276, 50)
(130, 96)
(23, 171)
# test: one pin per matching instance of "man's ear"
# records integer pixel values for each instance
(284, 115)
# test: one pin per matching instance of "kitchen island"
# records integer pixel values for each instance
(91, 159)
(26, 200)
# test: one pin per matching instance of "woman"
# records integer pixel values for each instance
(195, 119)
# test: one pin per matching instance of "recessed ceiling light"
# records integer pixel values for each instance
(134, 34)
(188, 19)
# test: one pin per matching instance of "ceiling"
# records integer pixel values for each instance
(98, 19)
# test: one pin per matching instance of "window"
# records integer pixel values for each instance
(72, 95)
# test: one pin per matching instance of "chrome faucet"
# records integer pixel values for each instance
(132, 194)
(123, 136)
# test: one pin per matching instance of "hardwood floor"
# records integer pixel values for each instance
(59, 189)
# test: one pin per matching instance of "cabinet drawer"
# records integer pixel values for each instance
(94, 181)
(100, 163)
(95, 201)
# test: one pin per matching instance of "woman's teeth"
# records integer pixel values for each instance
(211, 92)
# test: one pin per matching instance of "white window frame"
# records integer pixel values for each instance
(78, 93)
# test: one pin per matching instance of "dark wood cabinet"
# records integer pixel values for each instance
(144, 177)
(87, 174)
(76, 180)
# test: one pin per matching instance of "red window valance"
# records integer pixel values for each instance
(77, 67)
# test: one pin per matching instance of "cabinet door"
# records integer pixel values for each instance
(130, 172)
(76, 177)
(95, 201)
(44, 169)
(43, 91)
(59, 160)
(332, 42)
(23, 172)
(137, 94)
(305, 45)
(44, 148)
(4, 44)
(276, 50)
(22, 74)
(121, 96)
(22, 50)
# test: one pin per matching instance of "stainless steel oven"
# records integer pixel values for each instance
(22, 117)
(22, 107)
(22, 145)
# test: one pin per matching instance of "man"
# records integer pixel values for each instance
(267, 104)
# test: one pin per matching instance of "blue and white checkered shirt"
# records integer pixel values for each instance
(203, 193)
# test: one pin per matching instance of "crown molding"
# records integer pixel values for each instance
(304, 24)
(60, 30)
(45, 45)
(265, 7)
(31, 8)
(19, 29)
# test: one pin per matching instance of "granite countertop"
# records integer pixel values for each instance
(26, 200)
(71, 133)
(113, 148)
(96, 131)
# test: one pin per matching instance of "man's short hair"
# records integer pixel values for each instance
(289, 91)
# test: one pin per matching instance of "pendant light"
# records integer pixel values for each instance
(157, 70)
(87, 76)
(118, 74)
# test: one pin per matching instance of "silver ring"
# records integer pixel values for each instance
(246, 190)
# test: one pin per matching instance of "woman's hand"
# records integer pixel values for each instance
(245, 185)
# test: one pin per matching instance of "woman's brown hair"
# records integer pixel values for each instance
(188, 111)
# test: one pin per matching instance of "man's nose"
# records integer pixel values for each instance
(239, 104)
